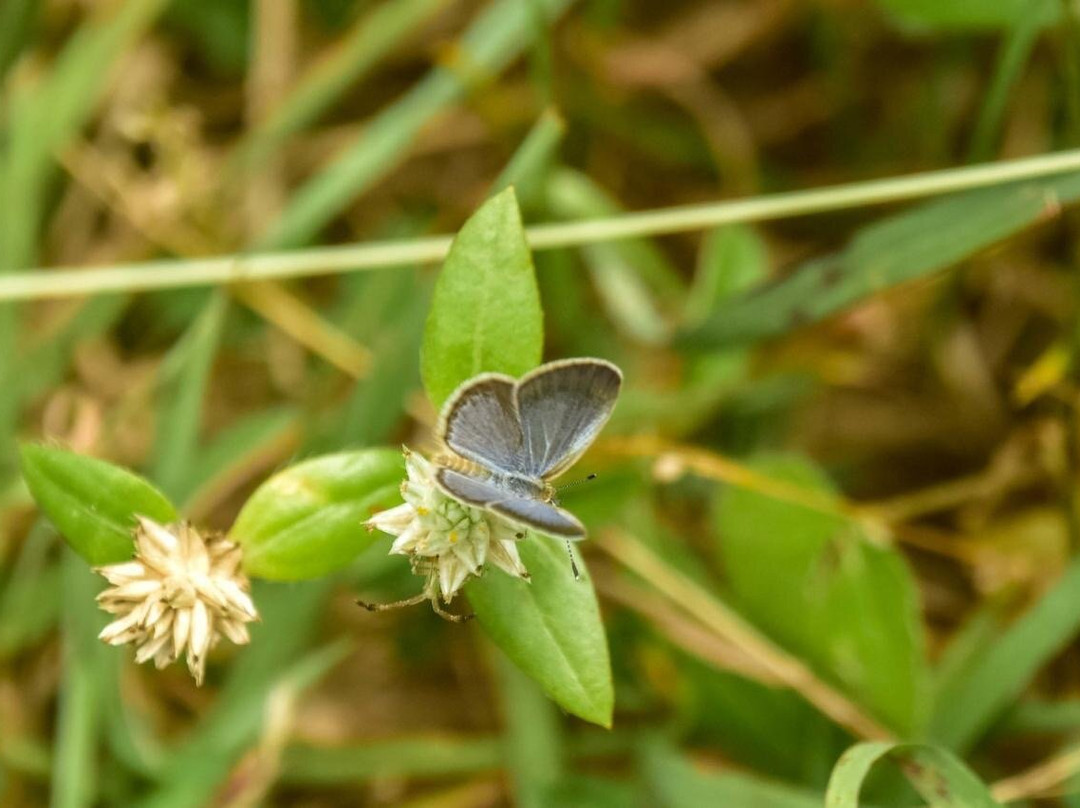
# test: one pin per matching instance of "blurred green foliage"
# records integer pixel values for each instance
(830, 425)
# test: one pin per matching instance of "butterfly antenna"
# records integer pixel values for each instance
(576, 482)
(573, 563)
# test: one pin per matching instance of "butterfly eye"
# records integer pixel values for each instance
(519, 535)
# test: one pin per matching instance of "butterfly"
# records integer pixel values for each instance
(510, 437)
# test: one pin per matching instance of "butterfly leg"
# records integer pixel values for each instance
(415, 599)
(450, 616)
(397, 604)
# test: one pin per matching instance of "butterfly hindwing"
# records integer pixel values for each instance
(541, 516)
(468, 488)
(531, 512)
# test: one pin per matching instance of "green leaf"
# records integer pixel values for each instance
(679, 784)
(633, 278)
(307, 520)
(762, 727)
(966, 705)
(732, 260)
(17, 20)
(342, 67)
(485, 314)
(233, 449)
(181, 397)
(530, 165)
(941, 779)
(43, 121)
(79, 709)
(30, 599)
(270, 668)
(849, 607)
(407, 757)
(1014, 54)
(492, 41)
(92, 503)
(1038, 717)
(596, 792)
(379, 400)
(894, 250)
(532, 743)
(966, 15)
(967, 648)
(550, 627)
(220, 33)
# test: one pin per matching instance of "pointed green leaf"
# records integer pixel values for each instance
(968, 15)
(377, 30)
(30, 598)
(966, 706)
(307, 520)
(850, 607)
(761, 727)
(550, 628)
(176, 444)
(485, 314)
(234, 448)
(732, 260)
(678, 783)
(530, 165)
(533, 746)
(493, 40)
(92, 503)
(635, 283)
(942, 779)
(894, 250)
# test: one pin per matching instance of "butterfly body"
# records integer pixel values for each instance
(508, 438)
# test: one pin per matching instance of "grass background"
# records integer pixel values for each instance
(838, 500)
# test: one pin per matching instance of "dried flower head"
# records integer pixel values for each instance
(180, 594)
(447, 541)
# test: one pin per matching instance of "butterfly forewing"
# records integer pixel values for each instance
(480, 423)
(562, 408)
(531, 512)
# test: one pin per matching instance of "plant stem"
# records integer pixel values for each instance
(70, 281)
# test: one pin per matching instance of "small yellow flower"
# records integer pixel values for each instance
(447, 541)
(182, 592)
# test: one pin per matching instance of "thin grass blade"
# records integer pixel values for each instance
(181, 396)
(492, 42)
(363, 46)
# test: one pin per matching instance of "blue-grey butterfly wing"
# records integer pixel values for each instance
(531, 513)
(480, 423)
(562, 408)
(467, 487)
(541, 517)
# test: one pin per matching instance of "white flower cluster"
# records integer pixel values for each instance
(446, 540)
(182, 592)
